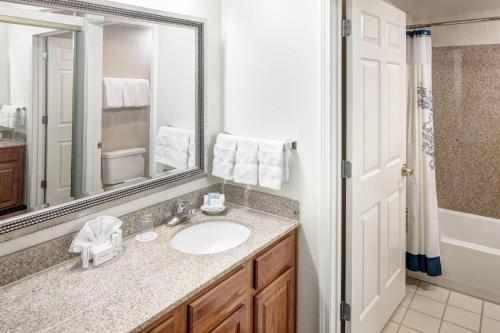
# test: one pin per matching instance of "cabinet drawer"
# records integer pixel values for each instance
(236, 323)
(216, 305)
(9, 155)
(170, 323)
(273, 262)
(167, 326)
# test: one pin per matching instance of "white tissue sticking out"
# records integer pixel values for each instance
(95, 232)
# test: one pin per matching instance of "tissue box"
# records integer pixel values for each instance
(101, 253)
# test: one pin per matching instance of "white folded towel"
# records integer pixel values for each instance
(246, 166)
(172, 147)
(171, 157)
(112, 93)
(224, 156)
(135, 92)
(273, 165)
(10, 117)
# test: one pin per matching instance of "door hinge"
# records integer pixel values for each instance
(99, 145)
(345, 311)
(346, 28)
(45, 120)
(45, 55)
(346, 169)
(43, 184)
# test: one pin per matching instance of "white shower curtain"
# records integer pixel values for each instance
(422, 252)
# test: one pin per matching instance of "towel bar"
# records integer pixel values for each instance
(17, 109)
(289, 144)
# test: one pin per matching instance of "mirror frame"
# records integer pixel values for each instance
(33, 221)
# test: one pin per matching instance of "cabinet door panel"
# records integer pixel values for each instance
(8, 184)
(236, 323)
(275, 306)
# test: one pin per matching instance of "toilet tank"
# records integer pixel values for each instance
(122, 165)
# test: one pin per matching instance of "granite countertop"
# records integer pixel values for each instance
(13, 142)
(149, 280)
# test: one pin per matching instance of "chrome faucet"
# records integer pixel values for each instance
(184, 213)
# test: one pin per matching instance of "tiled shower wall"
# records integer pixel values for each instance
(466, 91)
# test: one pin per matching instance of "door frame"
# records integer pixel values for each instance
(330, 230)
(344, 242)
(36, 130)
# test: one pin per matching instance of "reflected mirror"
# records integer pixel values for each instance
(91, 104)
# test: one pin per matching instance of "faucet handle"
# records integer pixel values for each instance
(183, 206)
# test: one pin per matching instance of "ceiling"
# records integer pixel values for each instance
(426, 8)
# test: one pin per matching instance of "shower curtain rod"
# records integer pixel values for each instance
(483, 19)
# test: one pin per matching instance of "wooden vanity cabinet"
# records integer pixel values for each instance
(259, 296)
(11, 177)
(274, 306)
(173, 322)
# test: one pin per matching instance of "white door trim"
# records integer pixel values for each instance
(35, 134)
(93, 44)
(331, 148)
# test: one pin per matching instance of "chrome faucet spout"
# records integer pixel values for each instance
(183, 213)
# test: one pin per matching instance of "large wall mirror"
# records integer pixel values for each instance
(97, 103)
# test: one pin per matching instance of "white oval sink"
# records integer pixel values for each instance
(210, 237)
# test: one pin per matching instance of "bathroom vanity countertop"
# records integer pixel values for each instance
(13, 142)
(149, 280)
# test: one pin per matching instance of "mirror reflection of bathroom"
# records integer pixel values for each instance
(81, 109)
(152, 141)
(36, 80)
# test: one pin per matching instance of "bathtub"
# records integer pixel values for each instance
(470, 255)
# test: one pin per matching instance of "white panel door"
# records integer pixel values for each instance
(60, 114)
(376, 136)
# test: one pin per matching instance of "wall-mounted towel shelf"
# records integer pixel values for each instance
(289, 144)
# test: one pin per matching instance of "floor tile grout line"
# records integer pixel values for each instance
(408, 307)
(461, 325)
(444, 310)
(410, 328)
(447, 304)
(481, 318)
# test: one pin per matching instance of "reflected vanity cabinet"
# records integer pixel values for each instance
(259, 296)
(11, 177)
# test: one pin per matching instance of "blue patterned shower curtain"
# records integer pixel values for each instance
(422, 251)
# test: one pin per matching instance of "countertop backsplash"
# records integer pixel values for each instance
(42, 256)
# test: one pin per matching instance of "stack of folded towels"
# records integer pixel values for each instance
(175, 147)
(250, 161)
(12, 116)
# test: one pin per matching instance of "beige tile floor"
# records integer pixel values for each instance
(431, 309)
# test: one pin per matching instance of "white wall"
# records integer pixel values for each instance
(4, 64)
(175, 84)
(272, 90)
(21, 65)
